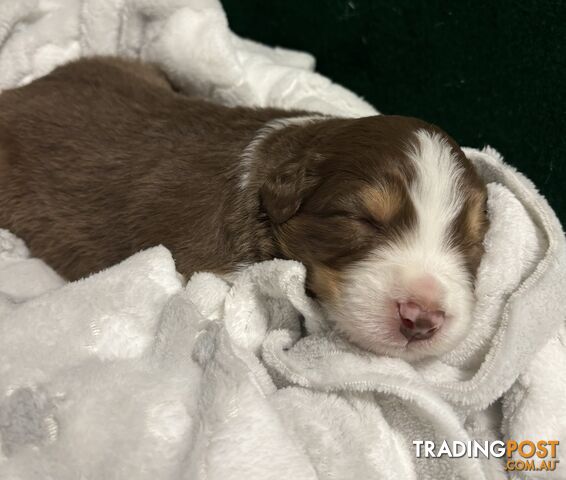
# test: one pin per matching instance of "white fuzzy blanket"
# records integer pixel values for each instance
(128, 375)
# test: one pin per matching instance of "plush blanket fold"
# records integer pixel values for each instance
(129, 374)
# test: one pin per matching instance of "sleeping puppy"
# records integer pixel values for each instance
(102, 158)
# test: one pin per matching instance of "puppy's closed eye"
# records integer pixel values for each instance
(366, 221)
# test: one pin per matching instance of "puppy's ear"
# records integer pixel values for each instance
(287, 185)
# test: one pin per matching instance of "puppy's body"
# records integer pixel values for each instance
(102, 158)
(98, 163)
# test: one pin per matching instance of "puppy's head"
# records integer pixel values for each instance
(388, 215)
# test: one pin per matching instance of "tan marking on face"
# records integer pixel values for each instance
(470, 226)
(475, 219)
(383, 203)
(326, 282)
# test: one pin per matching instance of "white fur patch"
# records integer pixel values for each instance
(436, 191)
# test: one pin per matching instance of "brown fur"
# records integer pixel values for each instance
(103, 158)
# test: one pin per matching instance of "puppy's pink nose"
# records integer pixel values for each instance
(418, 323)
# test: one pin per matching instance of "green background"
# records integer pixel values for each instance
(488, 72)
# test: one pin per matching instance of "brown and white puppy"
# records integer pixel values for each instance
(102, 158)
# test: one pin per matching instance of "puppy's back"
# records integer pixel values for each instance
(79, 151)
(55, 134)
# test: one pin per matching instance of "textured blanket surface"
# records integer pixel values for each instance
(130, 374)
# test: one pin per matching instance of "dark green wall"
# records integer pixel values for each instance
(488, 72)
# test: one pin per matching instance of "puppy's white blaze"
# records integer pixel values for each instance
(366, 311)
(436, 190)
